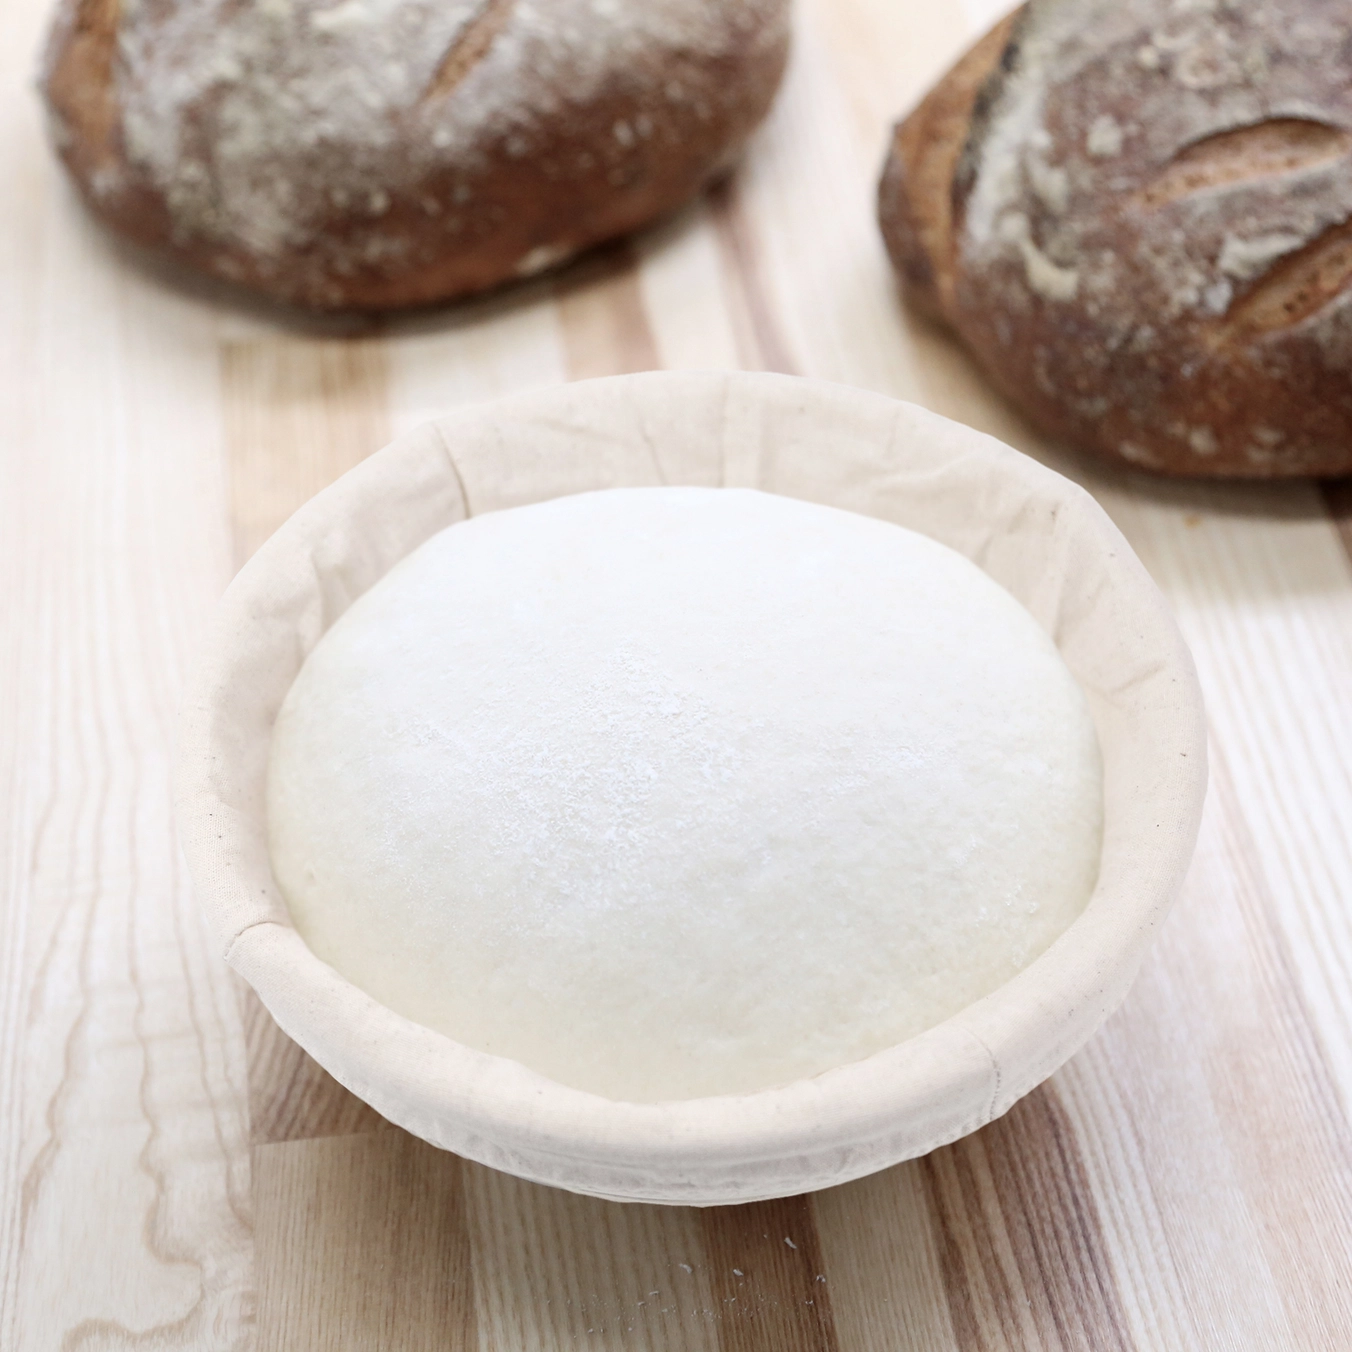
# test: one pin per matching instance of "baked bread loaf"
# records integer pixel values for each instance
(380, 153)
(1138, 214)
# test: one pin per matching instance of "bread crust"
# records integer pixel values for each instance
(1139, 217)
(369, 154)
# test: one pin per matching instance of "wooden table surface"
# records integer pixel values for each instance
(175, 1174)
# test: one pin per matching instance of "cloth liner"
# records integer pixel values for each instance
(1042, 537)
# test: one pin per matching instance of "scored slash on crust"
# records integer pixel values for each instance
(1288, 279)
(1279, 145)
(1297, 286)
(469, 47)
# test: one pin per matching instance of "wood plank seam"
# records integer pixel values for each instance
(761, 339)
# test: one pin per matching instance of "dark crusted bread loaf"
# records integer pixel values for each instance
(374, 153)
(1138, 214)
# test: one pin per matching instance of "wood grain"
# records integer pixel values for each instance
(602, 321)
(556, 1270)
(767, 1277)
(363, 1244)
(881, 1257)
(1023, 1252)
(761, 342)
(298, 413)
(124, 1198)
(1185, 1183)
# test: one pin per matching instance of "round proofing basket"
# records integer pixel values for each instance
(1044, 539)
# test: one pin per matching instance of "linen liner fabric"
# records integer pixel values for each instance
(1039, 535)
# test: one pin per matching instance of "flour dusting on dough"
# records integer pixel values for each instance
(674, 792)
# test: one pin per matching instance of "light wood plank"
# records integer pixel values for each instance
(1264, 594)
(1211, 1087)
(682, 284)
(555, 1270)
(767, 1277)
(124, 1206)
(807, 205)
(299, 412)
(363, 1244)
(881, 1261)
(761, 342)
(1021, 1245)
(602, 319)
(473, 353)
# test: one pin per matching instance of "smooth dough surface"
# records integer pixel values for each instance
(676, 791)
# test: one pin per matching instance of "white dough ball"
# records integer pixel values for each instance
(677, 791)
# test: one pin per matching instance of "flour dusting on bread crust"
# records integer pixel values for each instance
(1189, 166)
(316, 147)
